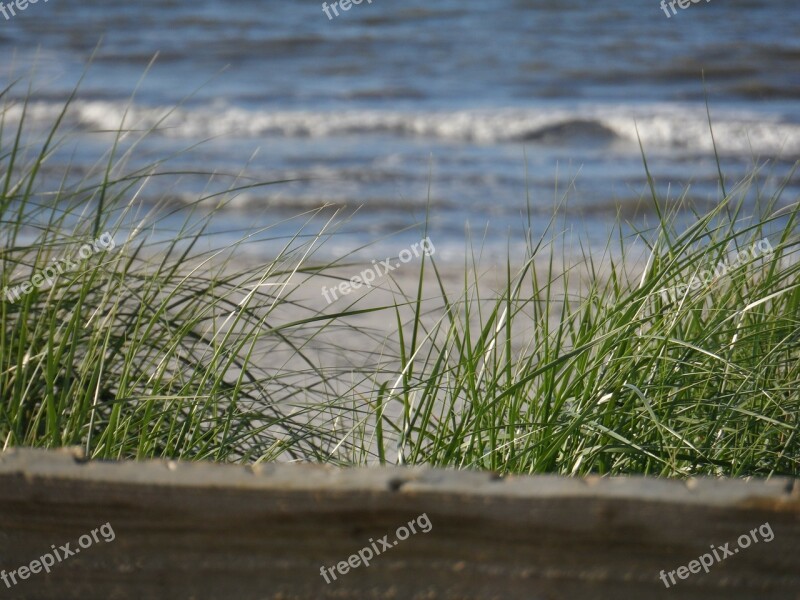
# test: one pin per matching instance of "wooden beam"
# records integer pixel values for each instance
(200, 530)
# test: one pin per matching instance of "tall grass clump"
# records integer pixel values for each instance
(613, 366)
(165, 347)
(155, 347)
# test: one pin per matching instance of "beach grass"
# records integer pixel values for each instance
(168, 348)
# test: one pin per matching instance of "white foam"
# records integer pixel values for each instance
(668, 126)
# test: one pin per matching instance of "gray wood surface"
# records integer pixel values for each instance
(190, 530)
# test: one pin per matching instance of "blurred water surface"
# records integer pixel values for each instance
(372, 108)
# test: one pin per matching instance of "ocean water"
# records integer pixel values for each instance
(470, 111)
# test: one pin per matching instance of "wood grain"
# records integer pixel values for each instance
(198, 530)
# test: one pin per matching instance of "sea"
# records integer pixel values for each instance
(473, 122)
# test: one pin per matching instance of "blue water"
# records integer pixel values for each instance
(467, 107)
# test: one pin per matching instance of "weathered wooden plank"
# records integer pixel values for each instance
(188, 530)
